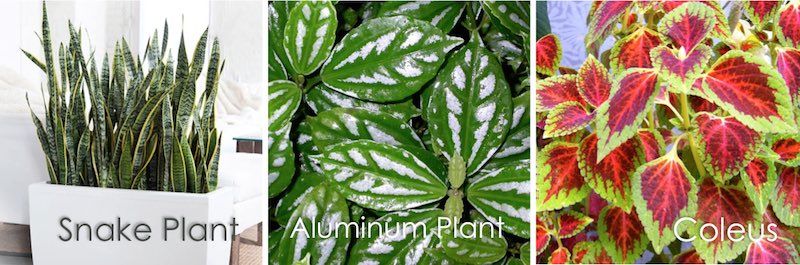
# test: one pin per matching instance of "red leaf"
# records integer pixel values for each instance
(750, 89)
(761, 11)
(763, 251)
(757, 172)
(787, 30)
(786, 199)
(590, 252)
(688, 257)
(594, 82)
(567, 118)
(678, 68)
(634, 50)
(542, 239)
(556, 90)
(688, 24)
(571, 223)
(631, 97)
(622, 234)
(548, 54)
(759, 179)
(559, 182)
(700, 104)
(652, 144)
(604, 17)
(559, 256)
(713, 203)
(611, 177)
(788, 148)
(728, 144)
(788, 62)
(720, 27)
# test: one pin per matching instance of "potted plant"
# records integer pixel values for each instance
(132, 156)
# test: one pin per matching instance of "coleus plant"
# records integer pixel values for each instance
(397, 112)
(692, 113)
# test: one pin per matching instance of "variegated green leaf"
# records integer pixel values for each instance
(281, 160)
(504, 195)
(387, 59)
(400, 244)
(514, 15)
(284, 98)
(442, 14)
(279, 68)
(305, 183)
(474, 243)
(321, 98)
(309, 35)
(339, 125)
(323, 208)
(525, 253)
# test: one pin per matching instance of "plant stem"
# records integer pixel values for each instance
(311, 83)
(686, 125)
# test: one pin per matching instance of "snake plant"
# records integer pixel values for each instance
(132, 123)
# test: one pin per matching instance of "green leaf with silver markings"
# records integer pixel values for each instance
(284, 98)
(309, 35)
(339, 125)
(387, 59)
(514, 15)
(281, 160)
(279, 68)
(306, 181)
(399, 244)
(518, 141)
(474, 243)
(504, 195)
(442, 14)
(323, 208)
(321, 98)
(525, 253)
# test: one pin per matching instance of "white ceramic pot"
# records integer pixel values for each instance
(22, 163)
(56, 240)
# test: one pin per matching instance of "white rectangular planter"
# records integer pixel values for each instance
(49, 204)
(22, 164)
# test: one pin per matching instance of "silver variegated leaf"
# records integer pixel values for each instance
(309, 35)
(525, 253)
(384, 177)
(387, 59)
(321, 98)
(284, 98)
(474, 243)
(339, 125)
(306, 181)
(470, 107)
(278, 62)
(281, 160)
(325, 209)
(513, 15)
(273, 241)
(400, 243)
(518, 142)
(442, 14)
(504, 195)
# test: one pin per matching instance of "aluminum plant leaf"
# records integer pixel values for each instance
(786, 198)
(442, 14)
(611, 177)
(279, 68)
(284, 99)
(787, 147)
(559, 182)
(469, 246)
(399, 243)
(297, 192)
(339, 125)
(383, 177)
(324, 208)
(281, 160)
(548, 54)
(688, 24)
(764, 251)
(321, 98)
(470, 107)
(786, 28)
(760, 178)
(513, 15)
(504, 195)
(728, 144)
(309, 35)
(387, 59)
(713, 203)
(622, 234)
(518, 141)
(633, 50)
(525, 253)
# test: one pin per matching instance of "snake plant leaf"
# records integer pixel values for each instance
(321, 98)
(297, 192)
(317, 215)
(442, 14)
(309, 35)
(513, 15)
(474, 243)
(470, 108)
(178, 173)
(284, 99)
(383, 177)
(281, 160)
(338, 125)
(504, 195)
(167, 133)
(387, 59)
(213, 165)
(126, 162)
(192, 180)
(399, 244)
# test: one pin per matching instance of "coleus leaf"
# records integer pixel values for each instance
(590, 252)
(622, 234)
(305, 183)
(688, 257)
(759, 179)
(787, 147)
(678, 68)
(401, 243)
(764, 251)
(383, 177)
(721, 28)
(504, 195)
(442, 14)
(603, 19)
(632, 95)
(652, 144)
(567, 118)
(470, 108)
(663, 192)
(751, 90)
(559, 182)
(594, 82)
(786, 198)
(321, 208)
(688, 24)
(716, 202)
(340, 125)
(542, 238)
(633, 50)
(787, 30)
(762, 11)
(387, 59)
(284, 98)
(727, 144)
(559, 256)
(611, 177)
(281, 160)
(513, 15)
(570, 223)
(309, 35)
(548, 55)
(788, 65)
(555, 90)
(483, 246)
(321, 98)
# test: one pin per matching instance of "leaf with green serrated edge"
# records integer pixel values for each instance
(594, 82)
(387, 59)
(787, 147)
(504, 195)
(559, 256)
(309, 35)
(688, 257)
(680, 69)
(760, 178)
(633, 50)
(556, 90)
(688, 24)
(761, 12)
(663, 192)
(542, 239)
(323, 208)
(751, 90)
(567, 118)
(558, 178)
(611, 177)
(570, 223)
(603, 17)
(281, 160)
(788, 65)
(590, 252)
(548, 54)
(474, 247)
(621, 234)
(442, 14)
(525, 253)
(284, 99)
(786, 198)
(713, 203)
(339, 125)
(384, 177)
(652, 144)
(321, 98)
(305, 183)
(513, 15)
(727, 144)
(398, 244)
(470, 108)
(779, 251)
(786, 29)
